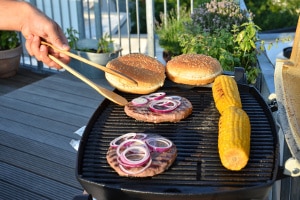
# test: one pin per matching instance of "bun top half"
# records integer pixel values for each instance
(147, 71)
(193, 69)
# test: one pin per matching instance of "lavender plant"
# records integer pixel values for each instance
(218, 15)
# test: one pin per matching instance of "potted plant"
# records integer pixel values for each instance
(222, 30)
(99, 51)
(10, 53)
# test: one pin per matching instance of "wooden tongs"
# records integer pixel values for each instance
(112, 96)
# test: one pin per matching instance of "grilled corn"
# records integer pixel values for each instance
(234, 138)
(226, 93)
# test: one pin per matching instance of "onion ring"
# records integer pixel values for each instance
(140, 136)
(155, 96)
(114, 143)
(174, 97)
(128, 143)
(139, 101)
(136, 172)
(153, 142)
(163, 105)
(135, 151)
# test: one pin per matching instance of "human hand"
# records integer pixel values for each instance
(38, 27)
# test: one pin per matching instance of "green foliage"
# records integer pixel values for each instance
(105, 44)
(8, 40)
(215, 45)
(218, 29)
(270, 14)
(169, 31)
(218, 15)
(159, 8)
(72, 36)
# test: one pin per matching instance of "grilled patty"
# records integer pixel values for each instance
(143, 113)
(161, 161)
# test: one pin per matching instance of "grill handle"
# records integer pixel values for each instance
(238, 74)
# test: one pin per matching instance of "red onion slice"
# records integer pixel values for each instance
(159, 144)
(136, 172)
(174, 97)
(139, 101)
(134, 149)
(117, 141)
(156, 96)
(129, 142)
(163, 105)
(140, 136)
(135, 156)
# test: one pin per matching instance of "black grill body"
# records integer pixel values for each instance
(197, 172)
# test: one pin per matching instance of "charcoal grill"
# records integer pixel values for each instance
(197, 172)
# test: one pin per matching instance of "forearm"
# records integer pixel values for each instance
(35, 26)
(13, 14)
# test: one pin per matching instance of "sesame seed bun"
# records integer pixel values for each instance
(147, 71)
(193, 69)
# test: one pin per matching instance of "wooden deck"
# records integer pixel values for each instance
(37, 123)
(23, 77)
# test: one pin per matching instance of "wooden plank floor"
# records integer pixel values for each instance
(23, 77)
(37, 123)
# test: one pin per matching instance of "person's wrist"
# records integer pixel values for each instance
(27, 10)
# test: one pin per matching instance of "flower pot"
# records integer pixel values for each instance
(99, 58)
(10, 62)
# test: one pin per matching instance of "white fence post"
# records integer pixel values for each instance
(150, 27)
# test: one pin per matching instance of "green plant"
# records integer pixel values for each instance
(8, 40)
(159, 8)
(72, 36)
(222, 30)
(216, 15)
(270, 14)
(105, 44)
(170, 30)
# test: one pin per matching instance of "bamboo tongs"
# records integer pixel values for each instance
(111, 71)
(112, 96)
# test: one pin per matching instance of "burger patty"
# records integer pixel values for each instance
(161, 161)
(143, 113)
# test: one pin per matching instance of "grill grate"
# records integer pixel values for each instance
(197, 163)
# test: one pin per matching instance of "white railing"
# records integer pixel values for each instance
(94, 18)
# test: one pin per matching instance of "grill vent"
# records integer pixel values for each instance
(197, 163)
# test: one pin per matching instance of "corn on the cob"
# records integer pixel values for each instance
(226, 93)
(234, 138)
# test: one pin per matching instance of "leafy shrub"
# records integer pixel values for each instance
(218, 15)
(170, 31)
(224, 31)
(8, 40)
(270, 14)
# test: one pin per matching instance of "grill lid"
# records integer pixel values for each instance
(197, 170)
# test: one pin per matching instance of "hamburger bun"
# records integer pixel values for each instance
(193, 69)
(147, 71)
